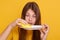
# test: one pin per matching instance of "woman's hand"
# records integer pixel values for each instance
(6, 32)
(44, 31)
(16, 22)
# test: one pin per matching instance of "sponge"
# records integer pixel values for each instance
(25, 25)
(30, 27)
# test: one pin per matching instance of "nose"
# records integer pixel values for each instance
(30, 18)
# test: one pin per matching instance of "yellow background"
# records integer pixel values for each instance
(50, 13)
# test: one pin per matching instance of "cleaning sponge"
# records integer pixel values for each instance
(30, 27)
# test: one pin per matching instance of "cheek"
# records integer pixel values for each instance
(34, 20)
(26, 19)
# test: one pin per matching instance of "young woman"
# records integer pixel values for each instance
(30, 15)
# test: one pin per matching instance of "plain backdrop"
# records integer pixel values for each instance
(10, 10)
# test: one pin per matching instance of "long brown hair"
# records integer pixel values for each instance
(36, 33)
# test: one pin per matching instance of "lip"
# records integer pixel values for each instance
(30, 23)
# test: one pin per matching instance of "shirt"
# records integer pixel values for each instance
(14, 34)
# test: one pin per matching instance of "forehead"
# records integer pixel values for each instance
(30, 11)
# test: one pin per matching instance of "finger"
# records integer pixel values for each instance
(46, 28)
(22, 20)
(25, 22)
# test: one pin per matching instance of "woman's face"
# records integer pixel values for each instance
(30, 17)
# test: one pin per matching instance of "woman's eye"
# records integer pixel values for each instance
(27, 15)
(34, 15)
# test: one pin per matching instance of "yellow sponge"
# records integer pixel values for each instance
(25, 25)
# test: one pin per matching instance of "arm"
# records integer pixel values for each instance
(43, 36)
(6, 32)
(44, 32)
